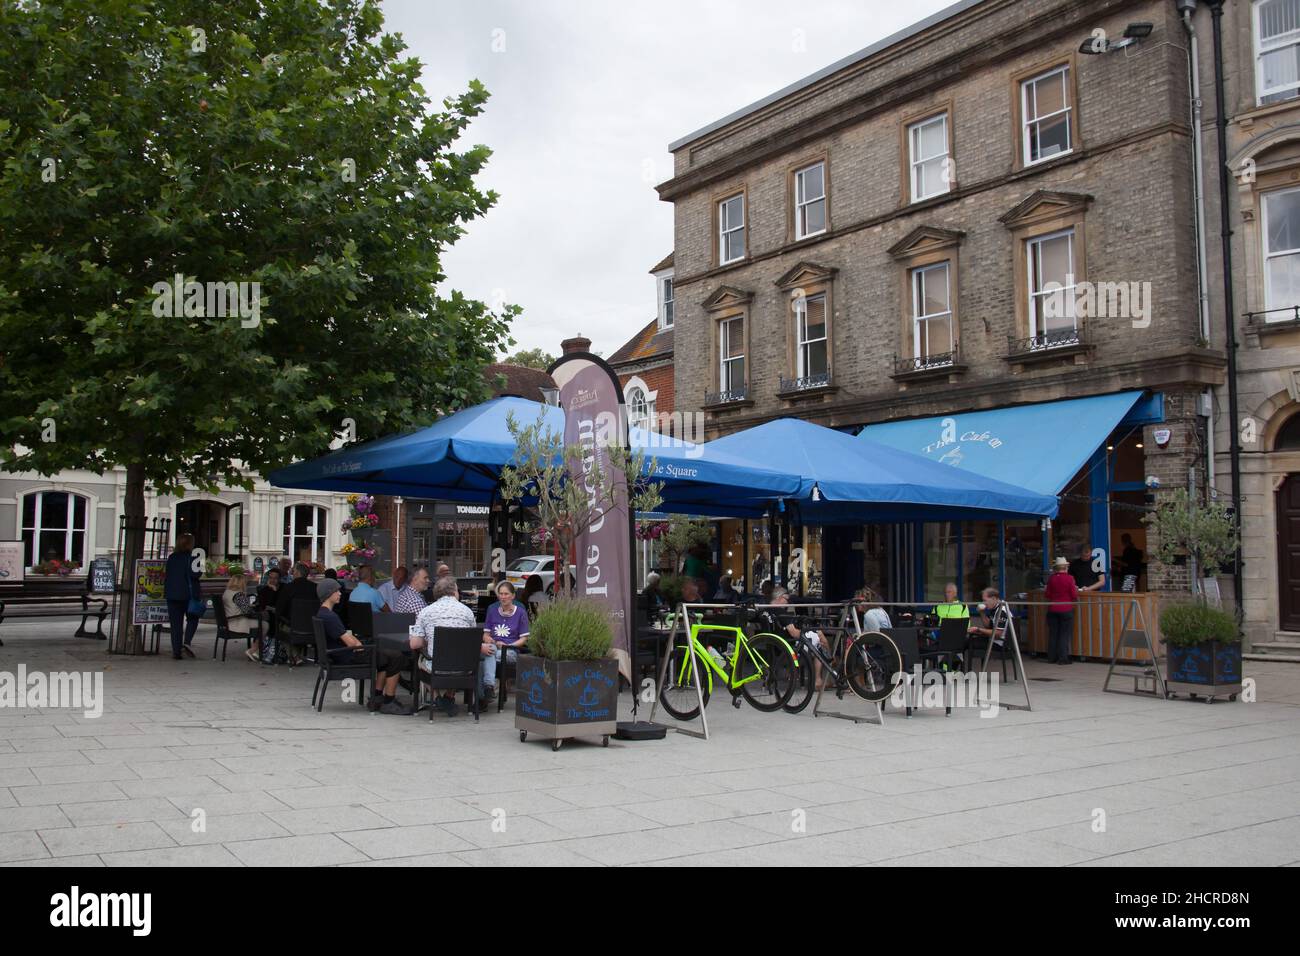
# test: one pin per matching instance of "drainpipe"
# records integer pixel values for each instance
(1187, 7)
(1229, 308)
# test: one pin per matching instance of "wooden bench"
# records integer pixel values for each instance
(54, 598)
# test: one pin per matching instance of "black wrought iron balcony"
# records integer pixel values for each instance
(924, 363)
(805, 383)
(728, 396)
(1071, 339)
(1273, 316)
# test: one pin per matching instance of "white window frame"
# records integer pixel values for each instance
(1067, 288)
(1269, 256)
(801, 204)
(640, 410)
(917, 162)
(1258, 43)
(1025, 122)
(726, 360)
(68, 531)
(317, 532)
(667, 312)
(918, 303)
(802, 342)
(726, 228)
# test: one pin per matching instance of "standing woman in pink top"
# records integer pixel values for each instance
(1062, 596)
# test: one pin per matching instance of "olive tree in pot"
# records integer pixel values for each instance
(569, 686)
(1203, 648)
(1188, 531)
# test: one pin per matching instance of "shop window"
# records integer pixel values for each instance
(979, 558)
(1023, 543)
(940, 549)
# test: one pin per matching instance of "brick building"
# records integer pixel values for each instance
(965, 220)
(644, 364)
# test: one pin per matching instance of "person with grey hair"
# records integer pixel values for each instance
(445, 611)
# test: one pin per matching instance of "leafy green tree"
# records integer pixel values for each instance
(532, 358)
(683, 536)
(287, 144)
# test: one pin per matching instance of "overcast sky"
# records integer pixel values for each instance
(586, 97)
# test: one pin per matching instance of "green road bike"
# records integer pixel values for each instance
(763, 669)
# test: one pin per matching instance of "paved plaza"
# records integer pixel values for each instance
(1173, 782)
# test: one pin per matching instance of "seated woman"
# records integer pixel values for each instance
(241, 617)
(507, 627)
(266, 597)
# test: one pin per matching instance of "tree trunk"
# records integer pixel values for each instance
(124, 635)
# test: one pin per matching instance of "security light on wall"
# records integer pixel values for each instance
(1100, 43)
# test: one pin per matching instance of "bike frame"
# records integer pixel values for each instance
(728, 677)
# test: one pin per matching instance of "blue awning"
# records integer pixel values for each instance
(460, 457)
(845, 479)
(1039, 447)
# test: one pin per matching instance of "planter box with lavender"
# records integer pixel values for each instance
(569, 688)
(1203, 652)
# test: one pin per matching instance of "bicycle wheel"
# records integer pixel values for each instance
(773, 660)
(805, 682)
(870, 666)
(678, 692)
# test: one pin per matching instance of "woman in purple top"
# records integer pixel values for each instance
(506, 626)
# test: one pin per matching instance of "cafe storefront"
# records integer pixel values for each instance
(450, 532)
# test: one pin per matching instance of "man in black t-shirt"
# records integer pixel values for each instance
(1084, 576)
(344, 647)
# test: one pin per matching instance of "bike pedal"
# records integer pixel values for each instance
(735, 702)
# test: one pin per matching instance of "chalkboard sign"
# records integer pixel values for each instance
(102, 576)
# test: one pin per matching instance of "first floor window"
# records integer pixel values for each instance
(305, 532)
(1282, 251)
(1051, 286)
(731, 355)
(54, 527)
(1045, 106)
(731, 229)
(931, 313)
(1277, 50)
(928, 146)
(640, 410)
(667, 321)
(811, 356)
(810, 201)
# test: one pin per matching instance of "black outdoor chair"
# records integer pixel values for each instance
(224, 634)
(457, 664)
(300, 633)
(952, 642)
(359, 668)
(909, 648)
(361, 620)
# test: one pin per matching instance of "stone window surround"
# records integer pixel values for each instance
(905, 124)
(806, 161)
(1018, 79)
(716, 241)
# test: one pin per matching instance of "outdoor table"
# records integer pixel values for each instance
(392, 632)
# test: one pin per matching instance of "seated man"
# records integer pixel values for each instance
(396, 583)
(342, 646)
(445, 611)
(870, 613)
(797, 627)
(950, 607)
(365, 591)
(410, 599)
(986, 626)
